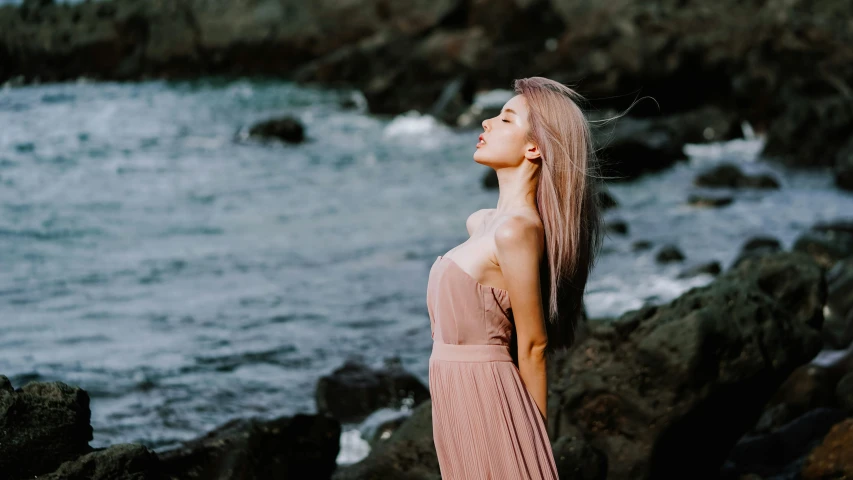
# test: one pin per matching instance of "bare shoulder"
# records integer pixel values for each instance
(476, 219)
(520, 234)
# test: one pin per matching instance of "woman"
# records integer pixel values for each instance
(491, 334)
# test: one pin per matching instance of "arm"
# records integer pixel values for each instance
(520, 244)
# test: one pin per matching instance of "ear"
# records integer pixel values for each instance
(532, 152)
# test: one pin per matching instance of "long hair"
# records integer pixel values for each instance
(568, 202)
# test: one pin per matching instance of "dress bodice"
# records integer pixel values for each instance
(463, 311)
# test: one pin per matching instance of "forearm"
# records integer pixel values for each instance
(533, 369)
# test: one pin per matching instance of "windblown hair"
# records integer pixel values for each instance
(568, 202)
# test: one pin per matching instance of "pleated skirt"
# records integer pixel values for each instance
(486, 425)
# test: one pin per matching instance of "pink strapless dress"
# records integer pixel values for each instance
(485, 422)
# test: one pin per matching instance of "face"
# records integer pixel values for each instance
(504, 139)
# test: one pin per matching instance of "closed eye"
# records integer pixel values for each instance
(507, 121)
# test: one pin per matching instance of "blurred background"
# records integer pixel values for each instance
(206, 206)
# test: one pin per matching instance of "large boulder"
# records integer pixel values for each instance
(42, 425)
(353, 391)
(629, 147)
(729, 175)
(812, 132)
(834, 457)
(131, 39)
(119, 462)
(244, 449)
(409, 454)
(827, 242)
(652, 386)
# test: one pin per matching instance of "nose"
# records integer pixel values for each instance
(485, 124)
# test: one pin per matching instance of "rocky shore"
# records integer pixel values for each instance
(784, 67)
(750, 376)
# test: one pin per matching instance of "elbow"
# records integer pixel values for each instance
(533, 351)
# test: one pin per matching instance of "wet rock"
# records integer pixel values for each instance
(409, 454)
(781, 452)
(827, 242)
(118, 462)
(838, 325)
(641, 245)
(576, 459)
(640, 388)
(808, 387)
(287, 129)
(757, 246)
(353, 391)
(124, 39)
(6, 385)
(709, 200)
(834, 457)
(630, 147)
(244, 449)
(844, 392)
(381, 430)
(812, 130)
(728, 175)
(708, 268)
(669, 254)
(44, 424)
(617, 226)
(844, 167)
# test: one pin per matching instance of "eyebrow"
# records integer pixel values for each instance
(509, 110)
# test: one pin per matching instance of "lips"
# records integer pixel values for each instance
(482, 139)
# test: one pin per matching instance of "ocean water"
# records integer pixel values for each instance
(184, 275)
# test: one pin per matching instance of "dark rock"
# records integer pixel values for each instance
(756, 247)
(812, 130)
(668, 254)
(844, 392)
(244, 449)
(606, 201)
(617, 226)
(641, 245)
(708, 268)
(730, 176)
(709, 201)
(353, 391)
(118, 462)
(490, 179)
(808, 387)
(633, 146)
(43, 425)
(775, 453)
(6, 385)
(384, 430)
(765, 244)
(124, 39)
(576, 459)
(640, 388)
(834, 457)
(827, 242)
(844, 167)
(408, 455)
(287, 129)
(838, 325)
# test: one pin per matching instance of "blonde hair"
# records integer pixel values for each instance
(567, 199)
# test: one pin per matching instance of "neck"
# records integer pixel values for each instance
(517, 187)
